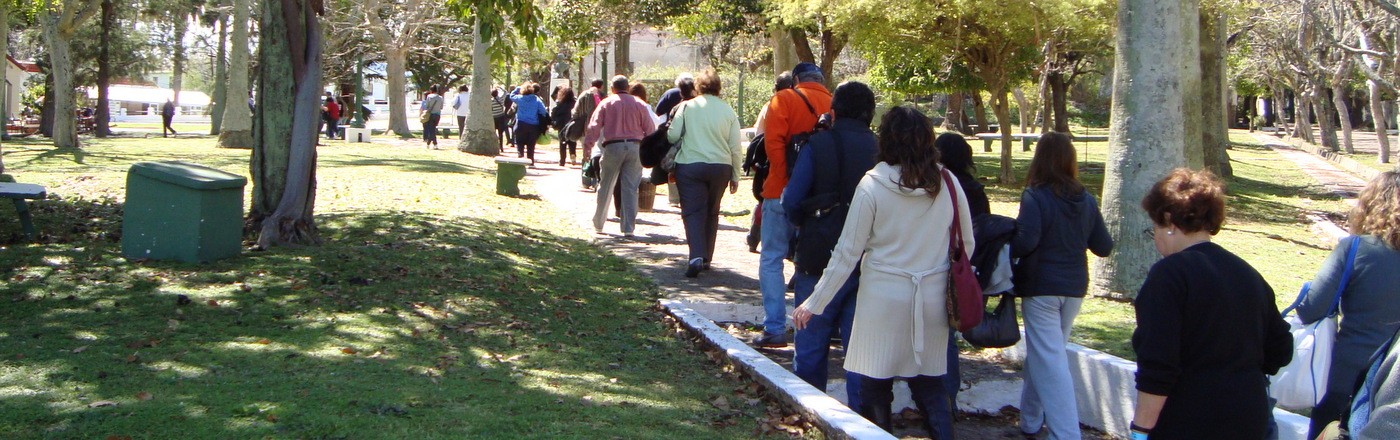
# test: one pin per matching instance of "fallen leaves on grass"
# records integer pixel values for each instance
(144, 396)
(264, 341)
(349, 350)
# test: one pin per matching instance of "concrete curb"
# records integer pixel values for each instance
(832, 417)
(1346, 163)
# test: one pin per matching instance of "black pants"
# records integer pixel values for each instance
(503, 135)
(430, 129)
(461, 125)
(701, 186)
(525, 137)
(166, 120)
(1331, 408)
(567, 148)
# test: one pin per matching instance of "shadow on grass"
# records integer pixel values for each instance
(414, 165)
(402, 325)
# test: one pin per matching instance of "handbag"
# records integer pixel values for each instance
(668, 162)
(964, 295)
(1301, 384)
(998, 328)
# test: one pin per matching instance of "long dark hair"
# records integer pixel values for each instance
(906, 140)
(1054, 165)
(956, 155)
(564, 94)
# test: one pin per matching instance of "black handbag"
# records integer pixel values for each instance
(998, 328)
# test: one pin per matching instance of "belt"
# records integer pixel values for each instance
(614, 141)
(917, 278)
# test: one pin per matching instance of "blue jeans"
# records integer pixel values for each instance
(776, 236)
(1047, 396)
(812, 345)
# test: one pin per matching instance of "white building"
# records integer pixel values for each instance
(16, 74)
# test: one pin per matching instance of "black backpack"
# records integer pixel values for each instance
(756, 164)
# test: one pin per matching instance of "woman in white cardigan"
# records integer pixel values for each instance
(898, 229)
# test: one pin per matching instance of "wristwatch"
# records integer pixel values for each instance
(1138, 432)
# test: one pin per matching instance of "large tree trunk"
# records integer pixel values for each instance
(221, 95)
(5, 105)
(177, 77)
(1378, 117)
(979, 111)
(65, 131)
(1046, 104)
(1059, 89)
(1302, 121)
(46, 108)
(396, 59)
(784, 55)
(1322, 110)
(1339, 94)
(104, 71)
(480, 133)
(1215, 129)
(237, 129)
(952, 118)
(1022, 108)
(622, 50)
(284, 158)
(1279, 107)
(1002, 107)
(1157, 46)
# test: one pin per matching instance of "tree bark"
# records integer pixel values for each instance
(177, 77)
(480, 133)
(1378, 117)
(1022, 107)
(622, 49)
(1339, 94)
(1059, 88)
(979, 111)
(1157, 43)
(395, 60)
(237, 129)
(952, 117)
(284, 159)
(784, 55)
(102, 118)
(5, 105)
(65, 132)
(1046, 104)
(1322, 109)
(1302, 121)
(1215, 131)
(221, 95)
(1001, 106)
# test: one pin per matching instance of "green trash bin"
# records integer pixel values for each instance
(509, 171)
(182, 211)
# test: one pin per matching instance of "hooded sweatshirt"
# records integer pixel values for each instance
(1053, 231)
(901, 322)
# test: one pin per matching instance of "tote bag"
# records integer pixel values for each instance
(998, 328)
(964, 297)
(1301, 384)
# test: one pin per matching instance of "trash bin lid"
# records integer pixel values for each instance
(188, 175)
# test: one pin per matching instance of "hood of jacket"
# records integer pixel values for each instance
(1070, 207)
(888, 177)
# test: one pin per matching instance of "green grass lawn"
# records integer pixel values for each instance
(1373, 161)
(435, 309)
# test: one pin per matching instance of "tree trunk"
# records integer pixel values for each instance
(979, 111)
(177, 77)
(1322, 110)
(1302, 121)
(1278, 107)
(1215, 131)
(952, 119)
(784, 55)
(284, 158)
(1344, 115)
(1058, 91)
(1378, 116)
(396, 60)
(622, 50)
(1157, 42)
(1001, 106)
(103, 116)
(1046, 104)
(480, 133)
(65, 131)
(221, 95)
(46, 108)
(237, 129)
(5, 105)
(1022, 107)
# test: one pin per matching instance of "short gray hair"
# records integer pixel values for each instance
(816, 77)
(619, 83)
(682, 77)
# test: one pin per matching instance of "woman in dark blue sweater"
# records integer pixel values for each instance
(1058, 221)
(1208, 330)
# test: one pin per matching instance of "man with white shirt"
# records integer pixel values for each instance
(459, 107)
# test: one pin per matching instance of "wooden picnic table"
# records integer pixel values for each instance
(1028, 139)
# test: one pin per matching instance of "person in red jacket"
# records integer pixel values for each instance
(332, 117)
(790, 112)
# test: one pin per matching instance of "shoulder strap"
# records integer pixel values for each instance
(805, 101)
(955, 237)
(1341, 286)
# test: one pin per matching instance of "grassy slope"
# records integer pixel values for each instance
(434, 310)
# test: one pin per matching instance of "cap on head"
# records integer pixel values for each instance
(802, 68)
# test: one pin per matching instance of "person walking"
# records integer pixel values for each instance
(620, 122)
(460, 105)
(898, 230)
(818, 197)
(500, 118)
(432, 113)
(790, 112)
(332, 113)
(167, 116)
(559, 116)
(784, 81)
(685, 91)
(1058, 221)
(708, 161)
(674, 96)
(1370, 301)
(1208, 329)
(587, 104)
(956, 156)
(530, 119)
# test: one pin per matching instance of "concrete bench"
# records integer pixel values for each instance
(19, 192)
(353, 134)
(509, 171)
(989, 138)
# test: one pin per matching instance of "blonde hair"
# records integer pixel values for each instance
(1377, 210)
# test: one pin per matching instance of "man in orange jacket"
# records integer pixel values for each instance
(790, 112)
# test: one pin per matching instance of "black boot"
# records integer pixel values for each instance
(879, 414)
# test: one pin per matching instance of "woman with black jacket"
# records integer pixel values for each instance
(559, 116)
(1058, 221)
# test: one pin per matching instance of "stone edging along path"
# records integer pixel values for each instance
(730, 290)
